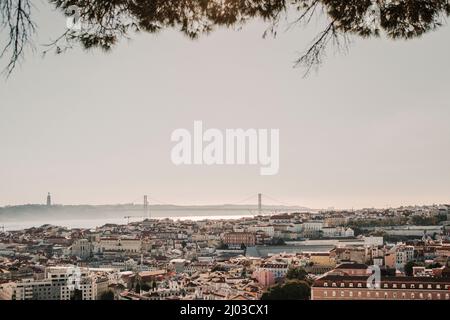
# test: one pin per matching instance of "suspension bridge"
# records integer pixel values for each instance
(253, 204)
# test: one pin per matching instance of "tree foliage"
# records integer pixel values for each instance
(291, 290)
(297, 274)
(105, 22)
(409, 268)
(107, 295)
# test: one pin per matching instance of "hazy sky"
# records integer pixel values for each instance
(372, 128)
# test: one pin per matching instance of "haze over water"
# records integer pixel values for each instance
(120, 219)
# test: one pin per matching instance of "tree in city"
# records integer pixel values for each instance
(219, 268)
(409, 268)
(137, 288)
(291, 290)
(222, 246)
(77, 294)
(434, 265)
(297, 273)
(107, 295)
(145, 287)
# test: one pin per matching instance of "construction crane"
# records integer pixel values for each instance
(128, 218)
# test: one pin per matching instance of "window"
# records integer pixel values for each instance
(394, 285)
(421, 286)
(325, 284)
(342, 285)
(350, 285)
(403, 285)
(438, 286)
(412, 286)
(385, 285)
(359, 285)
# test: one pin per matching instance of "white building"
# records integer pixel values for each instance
(312, 228)
(267, 229)
(60, 283)
(279, 270)
(403, 254)
(118, 245)
(81, 248)
(373, 241)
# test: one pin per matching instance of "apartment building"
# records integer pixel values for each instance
(81, 248)
(267, 229)
(334, 287)
(239, 238)
(312, 228)
(125, 245)
(279, 270)
(352, 269)
(60, 283)
(264, 277)
(403, 254)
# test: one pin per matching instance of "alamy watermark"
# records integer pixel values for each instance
(372, 18)
(227, 147)
(73, 275)
(73, 21)
(374, 280)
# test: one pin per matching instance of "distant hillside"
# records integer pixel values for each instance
(38, 212)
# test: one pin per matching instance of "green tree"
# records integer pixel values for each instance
(434, 265)
(222, 246)
(409, 268)
(296, 274)
(145, 287)
(77, 295)
(292, 290)
(107, 295)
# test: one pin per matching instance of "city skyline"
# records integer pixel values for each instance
(271, 202)
(209, 157)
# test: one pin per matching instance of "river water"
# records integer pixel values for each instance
(96, 221)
